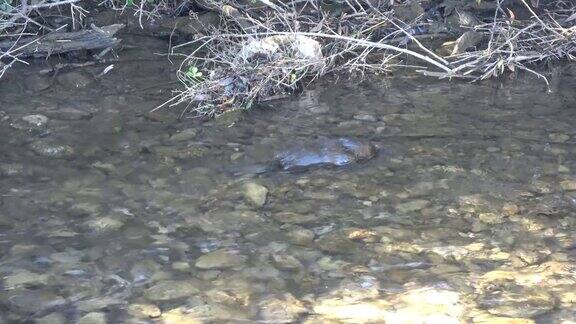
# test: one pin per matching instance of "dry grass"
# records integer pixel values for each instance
(366, 39)
(356, 38)
(345, 45)
(520, 45)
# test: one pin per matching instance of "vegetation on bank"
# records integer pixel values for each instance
(260, 50)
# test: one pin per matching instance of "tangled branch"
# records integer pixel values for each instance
(24, 18)
(515, 45)
(217, 76)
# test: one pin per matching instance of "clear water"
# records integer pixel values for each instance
(466, 215)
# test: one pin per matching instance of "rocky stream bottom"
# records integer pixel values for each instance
(110, 214)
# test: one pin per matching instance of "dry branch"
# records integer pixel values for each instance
(362, 39)
(62, 42)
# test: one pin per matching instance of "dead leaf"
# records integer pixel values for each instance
(469, 39)
(318, 27)
(446, 48)
(512, 15)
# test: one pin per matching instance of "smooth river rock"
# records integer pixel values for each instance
(255, 194)
(220, 259)
(51, 149)
(171, 289)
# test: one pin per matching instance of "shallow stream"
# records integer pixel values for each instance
(111, 214)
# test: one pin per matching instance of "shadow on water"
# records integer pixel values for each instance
(108, 212)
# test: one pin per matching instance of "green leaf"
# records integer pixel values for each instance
(194, 74)
(293, 78)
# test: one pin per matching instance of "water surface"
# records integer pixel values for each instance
(468, 217)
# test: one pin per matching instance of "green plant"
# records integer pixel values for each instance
(293, 78)
(194, 74)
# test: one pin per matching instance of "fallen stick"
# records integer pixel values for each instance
(62, 42)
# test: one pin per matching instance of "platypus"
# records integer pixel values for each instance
(326, 152)
(321, 152)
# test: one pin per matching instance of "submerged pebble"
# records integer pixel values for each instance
(103, 224)
(568, 185)
(171, 289)
(255, 194)
(337, 242)
(31, 301)
(51, 149)
(185, 135)
(286, 309)
(144, 310)
(93, 318)
(54, 318)
(24, 278)
(67, 113)
(525, 303)
(31, 123)
(36, 121)
(11, 169)
(220, 259)
(412, 206)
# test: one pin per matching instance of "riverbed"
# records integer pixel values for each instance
(112, 214)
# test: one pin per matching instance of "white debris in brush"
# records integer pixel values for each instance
(278, 46)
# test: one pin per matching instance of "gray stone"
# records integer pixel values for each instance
(24, 278)
(532, 256)
(285, 310)
(68, 113)
(568, 185)
(491, 218)
(294, 218)
(11, 169)
(82, 209)
(263, 272)
(337, 242)
(36, 82)
(365, 117)
(301, 236)
(144, 310)
(144, 270)
(36, 121)
(220, 259)
(559, 137)
(31, 301)
(93, 318)
(51, 149)
(74, 80)
(104, 224)
(185, 135)
(54, 318)
(520, 302)
(287, 262)
(205, 313)
(255, 194)
(171, 289)
(98, 303)
(412, 206)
